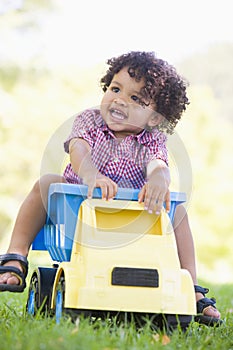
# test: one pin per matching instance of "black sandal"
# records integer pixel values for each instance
(21, 275)
(201, 305)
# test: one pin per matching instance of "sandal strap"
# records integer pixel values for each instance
(14, 271)
(15, 257)
(199, 289)
(204, 303)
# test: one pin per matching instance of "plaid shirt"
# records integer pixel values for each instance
(125, 162)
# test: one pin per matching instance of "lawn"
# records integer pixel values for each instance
(18, 330)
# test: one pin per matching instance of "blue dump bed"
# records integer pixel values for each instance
(64, 201)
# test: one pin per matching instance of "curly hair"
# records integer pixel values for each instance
(163, 85)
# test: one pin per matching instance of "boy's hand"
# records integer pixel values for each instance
(155, 192)
(107, 186)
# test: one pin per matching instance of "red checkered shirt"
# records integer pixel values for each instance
(125, 162)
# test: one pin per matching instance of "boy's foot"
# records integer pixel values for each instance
(13, 272)
(206, 311)
(210, 310)
(8, 277)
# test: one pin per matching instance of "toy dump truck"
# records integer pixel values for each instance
(110, 257)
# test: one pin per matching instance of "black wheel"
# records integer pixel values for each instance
(172, 322)
(59, 298)
(40, 291)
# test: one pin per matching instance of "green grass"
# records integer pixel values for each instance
(19, 331)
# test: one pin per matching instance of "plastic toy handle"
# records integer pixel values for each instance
(122, 193)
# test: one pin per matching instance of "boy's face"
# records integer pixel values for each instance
(121, 108)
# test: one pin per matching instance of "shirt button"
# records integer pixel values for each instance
(115, 160)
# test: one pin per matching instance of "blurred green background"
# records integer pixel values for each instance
(49, 73)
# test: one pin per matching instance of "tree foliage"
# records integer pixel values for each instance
(213, 68)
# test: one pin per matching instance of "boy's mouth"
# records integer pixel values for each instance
(117, 114)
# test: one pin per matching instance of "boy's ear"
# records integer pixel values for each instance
(155, 119)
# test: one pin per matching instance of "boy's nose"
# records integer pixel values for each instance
(120, 100)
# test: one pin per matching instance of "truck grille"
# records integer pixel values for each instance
(136, 277)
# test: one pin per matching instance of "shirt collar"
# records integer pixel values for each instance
(143, 137)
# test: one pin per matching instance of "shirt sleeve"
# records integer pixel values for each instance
(158, 148)
(83, 127)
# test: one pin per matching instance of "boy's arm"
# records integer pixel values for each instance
(156, 189)
(80, 158)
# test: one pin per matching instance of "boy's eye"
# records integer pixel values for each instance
(138, 100)
(135, 98)
(115, 89)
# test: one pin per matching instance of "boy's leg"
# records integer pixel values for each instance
(30, 219)
(186, 252)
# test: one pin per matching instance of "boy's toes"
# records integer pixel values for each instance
(8, 278)
(4, 277)
(211, 311)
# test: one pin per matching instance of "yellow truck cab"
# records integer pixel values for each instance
(110, 257)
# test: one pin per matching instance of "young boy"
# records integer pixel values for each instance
(122, 144)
